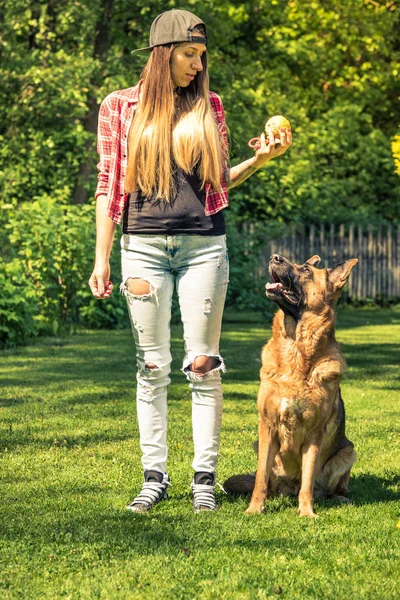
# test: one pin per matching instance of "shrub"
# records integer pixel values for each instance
(246, 286)
(49, 249)
(18, 308)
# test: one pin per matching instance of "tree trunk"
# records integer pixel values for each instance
(101, 46)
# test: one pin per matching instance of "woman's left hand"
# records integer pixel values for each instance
(273, 147)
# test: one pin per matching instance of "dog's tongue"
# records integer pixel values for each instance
(273, 286)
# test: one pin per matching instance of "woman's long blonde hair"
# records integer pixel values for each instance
(161, 135)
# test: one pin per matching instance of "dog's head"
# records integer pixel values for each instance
(300, 288)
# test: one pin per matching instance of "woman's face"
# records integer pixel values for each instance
(186, 63)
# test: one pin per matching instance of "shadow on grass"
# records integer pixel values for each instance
(371, 358)
(370, 489)
(349, 318)
(170, 529)
(114, 364)
(117, 533)
(18, 440)
(363, 489)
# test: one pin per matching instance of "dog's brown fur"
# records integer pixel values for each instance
(302, 445)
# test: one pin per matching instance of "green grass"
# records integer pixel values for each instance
(70, 462)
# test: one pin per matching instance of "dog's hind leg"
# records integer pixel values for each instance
(335, 474)
(267, 449)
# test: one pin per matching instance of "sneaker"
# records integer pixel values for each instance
(203, 490)
(154, 490)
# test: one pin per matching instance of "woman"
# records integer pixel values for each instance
(163, 174)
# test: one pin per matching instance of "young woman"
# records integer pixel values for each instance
(163, 174)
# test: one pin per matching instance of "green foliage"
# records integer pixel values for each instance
(396, 152)
(331, 67)
(44, 280)
(17, 305)
(246, 288)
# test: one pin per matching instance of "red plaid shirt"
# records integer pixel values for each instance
(115, 117)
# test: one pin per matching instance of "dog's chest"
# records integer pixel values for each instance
(296, 417)
(296, 411)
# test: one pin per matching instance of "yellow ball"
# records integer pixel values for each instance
(277, 123)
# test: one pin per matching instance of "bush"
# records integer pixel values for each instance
(18, 308)
(110, 313)
(49, 250)
(246, 289)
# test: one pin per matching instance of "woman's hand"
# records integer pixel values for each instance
(263, 154)
(266, 151)
(99, 281)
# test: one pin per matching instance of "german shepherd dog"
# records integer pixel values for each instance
(302, 446)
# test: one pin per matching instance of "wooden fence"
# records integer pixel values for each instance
(377, 273)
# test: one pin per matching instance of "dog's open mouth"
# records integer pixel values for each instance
(282, 286)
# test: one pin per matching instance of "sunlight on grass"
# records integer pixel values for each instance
(70, 462)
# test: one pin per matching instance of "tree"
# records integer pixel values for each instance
(101, 47)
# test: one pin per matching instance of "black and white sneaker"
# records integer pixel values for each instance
(154, 489)
(203, 490)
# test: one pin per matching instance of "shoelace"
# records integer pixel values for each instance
(150, 492)
(204, 495)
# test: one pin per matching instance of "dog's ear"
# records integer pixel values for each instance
(314, 260)
(340, 274)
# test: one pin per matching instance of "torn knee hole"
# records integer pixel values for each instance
(150, 366)
(203, 364)
(138, 287)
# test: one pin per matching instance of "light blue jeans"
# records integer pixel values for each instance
(199, 267)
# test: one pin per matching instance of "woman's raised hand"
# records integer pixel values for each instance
(273, 146)
(99, 281)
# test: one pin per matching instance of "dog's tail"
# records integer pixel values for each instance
(240, 484)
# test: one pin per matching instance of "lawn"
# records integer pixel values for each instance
(70, 463)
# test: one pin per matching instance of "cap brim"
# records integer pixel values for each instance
(194, 39)
(140, 50)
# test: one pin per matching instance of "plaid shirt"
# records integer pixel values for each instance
(115, 117)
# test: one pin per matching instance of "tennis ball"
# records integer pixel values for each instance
(277, 123)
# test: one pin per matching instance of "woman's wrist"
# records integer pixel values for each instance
(241, 172)
(101, 261)
(259, 162)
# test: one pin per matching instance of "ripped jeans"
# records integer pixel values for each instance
(198, 265)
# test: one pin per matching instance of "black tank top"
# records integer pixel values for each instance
(184, 214)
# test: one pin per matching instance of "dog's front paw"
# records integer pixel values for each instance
(307, 512)
(254, 510)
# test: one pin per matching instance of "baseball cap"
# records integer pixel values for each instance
(173, 26)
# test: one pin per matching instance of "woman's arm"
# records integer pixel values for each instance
(261, 157)
(99, 281)
(241, 172)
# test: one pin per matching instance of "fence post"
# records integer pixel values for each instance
(353, 278)
(380, 281)
(293, 257)
(389, 246)
(371, 265)
(302, 245)
(332, 249)
(361, 262)
(312, 242)
(321, 249)
(341, 253)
